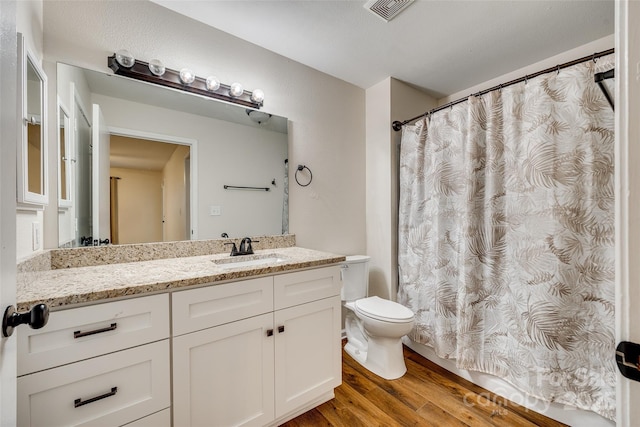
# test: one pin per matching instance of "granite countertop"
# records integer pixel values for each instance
(65, 287)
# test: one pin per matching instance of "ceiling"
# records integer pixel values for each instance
(134, 153)
(441, 47)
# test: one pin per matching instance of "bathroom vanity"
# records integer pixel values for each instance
(195, 340)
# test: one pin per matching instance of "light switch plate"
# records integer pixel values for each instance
(215, 210)
(35, 235)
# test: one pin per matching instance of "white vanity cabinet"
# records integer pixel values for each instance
(105, 364)
(256, 352)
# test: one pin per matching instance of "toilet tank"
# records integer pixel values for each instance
(355, 277)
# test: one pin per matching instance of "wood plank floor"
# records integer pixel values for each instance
(427, 395)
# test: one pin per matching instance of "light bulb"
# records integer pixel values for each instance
(125, 58)
(156, 67)
(212, 83)
(257, 96)
(236, 90)
(187, 76)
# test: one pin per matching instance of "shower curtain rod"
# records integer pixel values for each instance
(397, 125)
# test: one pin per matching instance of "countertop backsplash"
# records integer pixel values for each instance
(54, 259)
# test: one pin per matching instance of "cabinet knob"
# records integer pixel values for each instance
(37, 317)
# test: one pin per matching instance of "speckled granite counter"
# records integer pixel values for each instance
(64, 287)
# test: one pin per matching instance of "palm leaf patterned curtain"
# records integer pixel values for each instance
(506, 236)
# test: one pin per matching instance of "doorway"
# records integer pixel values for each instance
(151, 188)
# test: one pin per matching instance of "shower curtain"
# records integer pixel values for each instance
(506, 236)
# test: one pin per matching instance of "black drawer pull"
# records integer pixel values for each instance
(78, 334)
(281, 329)
(78, 402)
(269, 332)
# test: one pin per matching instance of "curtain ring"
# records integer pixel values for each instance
(558, 69)
(526, 79)
(300, 168)
(594, 59)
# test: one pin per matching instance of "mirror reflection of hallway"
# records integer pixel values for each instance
(149, 190)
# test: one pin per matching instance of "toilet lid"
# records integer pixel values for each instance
(382, 309)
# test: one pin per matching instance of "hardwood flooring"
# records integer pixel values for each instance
(427, 395)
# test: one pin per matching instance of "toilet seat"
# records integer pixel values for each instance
(383, 310)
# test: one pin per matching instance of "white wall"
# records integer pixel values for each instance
(29, 16)
(175, 201)
(326, 114)
(139, 205)
(599, 45)
(387, 101)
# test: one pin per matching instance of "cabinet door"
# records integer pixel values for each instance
(308, 353)
(223, 376)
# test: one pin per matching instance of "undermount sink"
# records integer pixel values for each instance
(250, 260)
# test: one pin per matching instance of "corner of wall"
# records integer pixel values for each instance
(389, 100)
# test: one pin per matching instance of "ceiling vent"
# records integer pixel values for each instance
(387, 9)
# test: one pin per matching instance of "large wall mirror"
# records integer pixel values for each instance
(32, 152)
(144, 163)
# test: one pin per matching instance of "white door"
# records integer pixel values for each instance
(101, 184)
(308, 353)
(627, 198)
(8, 139)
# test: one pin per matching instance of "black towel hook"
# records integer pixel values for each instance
(301, 168)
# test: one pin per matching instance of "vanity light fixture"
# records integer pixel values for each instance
(257, 96)
(185, 80)
(187, 76)
(156, 67)
(236, 90)
(125, 58)
(212, 83)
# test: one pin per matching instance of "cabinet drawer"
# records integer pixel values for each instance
(202, 308)
(109, 390)
(305, 286)
(85, 332)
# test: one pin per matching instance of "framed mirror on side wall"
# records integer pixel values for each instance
(170, 156)
(32, 168)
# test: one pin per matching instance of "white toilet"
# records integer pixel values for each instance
(373, 325)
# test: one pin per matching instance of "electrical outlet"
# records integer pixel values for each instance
(215, 210)
(35, 235)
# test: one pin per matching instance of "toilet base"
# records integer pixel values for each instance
(384, 357)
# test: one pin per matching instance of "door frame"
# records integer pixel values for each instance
(627, 153)
(193, 151)
(8, 167)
